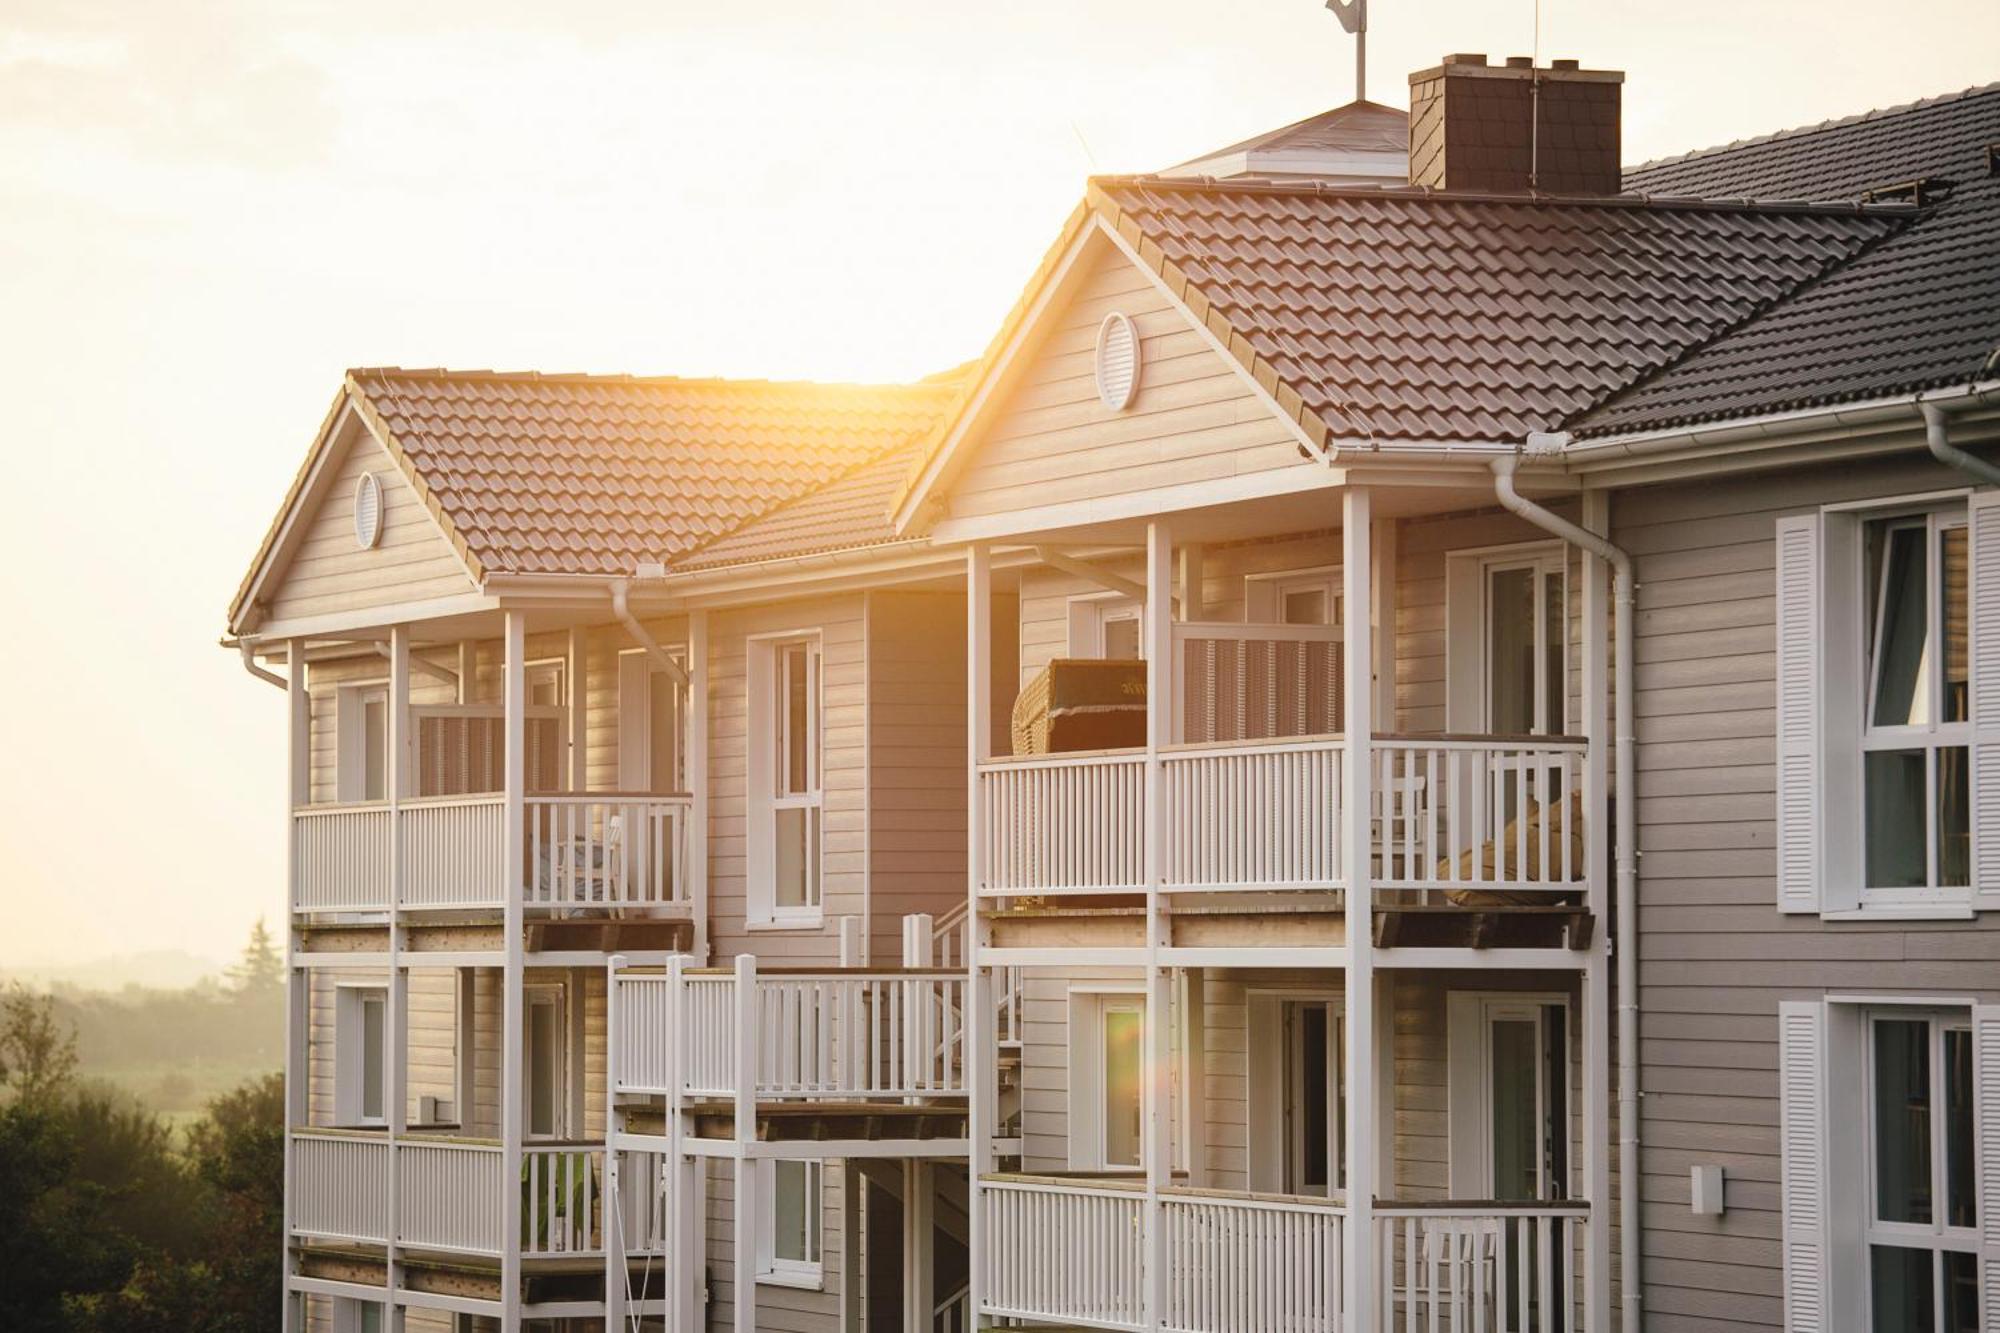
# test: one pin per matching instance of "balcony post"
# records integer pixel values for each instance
(981, 1057)
(684, 1237)
(514, 695)
(1157, 1135)
(918, 1225)
(1357, 548)
(298, 790)
(694, 768)
(1597, 965)
(747, 1203)
(576, 679)
(397, 1009)
(1194, 1092)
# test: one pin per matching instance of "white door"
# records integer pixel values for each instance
(651, 708)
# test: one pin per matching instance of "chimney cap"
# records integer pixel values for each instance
(1566, 64)
(1520, 62)
(1466, 58)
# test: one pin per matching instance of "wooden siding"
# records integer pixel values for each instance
(916, 761)
(1049, 440)
(328, 573)
(1716, 957)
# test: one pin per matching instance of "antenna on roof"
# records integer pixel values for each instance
(1353, 16)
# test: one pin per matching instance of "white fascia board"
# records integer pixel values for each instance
(375, 618)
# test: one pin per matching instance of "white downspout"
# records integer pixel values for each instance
(249, 651)
(1625, 839)
(622, 609)
(1936, 435)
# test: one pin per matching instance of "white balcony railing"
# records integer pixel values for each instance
(1239, 1263)
(340, 1186)
(1462, 815)
(448, 1196)
(1066, 1251)
(1481, 1268)
(829, 1036)
(341, 858)
(581, 853)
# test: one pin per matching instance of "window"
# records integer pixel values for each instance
(1295, 597)
(1921, 1216)
(360, 1069)
(1915, 765)
(787, 799)
(651, 715)
(1107, 1077)
(789, 1222)
(1106, 626)
(1509, 1096)
(361, 743)
(1507, 640)
(352, 1316)
(1315, 1099)
(545, 684)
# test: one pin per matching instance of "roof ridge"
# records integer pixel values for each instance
(1799, 131)
(928, 384)
(1424, 194)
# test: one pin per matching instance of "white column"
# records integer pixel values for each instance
(851, 1277)
(1157, 1120)
(397, 1010)
(615, 1207)
(1194, 1075)
(695, 767)
(981, 1056)
(1597, 1017)
(918, 1298)
(1357, 549)
(1383, 620)
(686, 1260)
(576, 675)
(298, 993)
(1191, 581)
(747, 1202)
(514, 695)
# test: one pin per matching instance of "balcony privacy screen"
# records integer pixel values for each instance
(1258, 689)
(460, 753)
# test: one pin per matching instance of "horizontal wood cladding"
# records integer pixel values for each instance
(1716, 957)
(328, 572)
(1049, 440)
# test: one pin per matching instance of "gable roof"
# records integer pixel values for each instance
(1360, 138)
(847, 513)
(529, 473)
(1919, 311)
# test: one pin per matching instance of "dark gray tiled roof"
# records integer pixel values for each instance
(1919, 310)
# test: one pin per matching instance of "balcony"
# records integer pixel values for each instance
(1075, 1251)
(597, 853)
(449, 1196)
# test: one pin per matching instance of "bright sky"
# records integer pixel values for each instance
(209, 208)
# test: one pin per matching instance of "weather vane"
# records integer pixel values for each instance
(1353, 16)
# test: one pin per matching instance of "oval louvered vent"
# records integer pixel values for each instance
(367, 510)
(1117, 362)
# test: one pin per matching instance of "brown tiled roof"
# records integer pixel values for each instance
(1919, 311)
(1416, 316)
(846, 513)
(593, 474)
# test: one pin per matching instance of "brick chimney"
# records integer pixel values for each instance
(1513, 128)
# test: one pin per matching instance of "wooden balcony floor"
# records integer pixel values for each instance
(1299, 920)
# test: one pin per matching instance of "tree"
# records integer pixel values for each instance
(260, 974)
(37, 1053)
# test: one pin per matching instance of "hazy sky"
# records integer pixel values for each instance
(209, 208)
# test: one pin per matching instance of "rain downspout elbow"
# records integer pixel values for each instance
(621, 609)
(1937, 435)
(1626, 875)
(249, 651)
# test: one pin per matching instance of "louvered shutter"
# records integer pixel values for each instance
(1799, 713)
(1983, 601)
(1986, 1132)
(1802, 1097)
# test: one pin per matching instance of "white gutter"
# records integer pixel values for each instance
(1937, 437)
(249, 652)
(622, 609)
(1625, 840)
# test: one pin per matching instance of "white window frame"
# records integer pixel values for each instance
(1932, 736)
(1264, 593)
(350, 1315)
(350, 744)
(1272, 1138)
(637, 673)
(548, 674)
(809, 1274)
(555, 995)
(1469, 1019)
(1936, 1236)
(1468, 625)
(766, 792)
(1088, 1110)
(1090, 612)
(350, 1006)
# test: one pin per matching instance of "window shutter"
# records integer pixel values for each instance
(1799, 709)
(1802, 1099)
(1986, 1129)
(1983, 602)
